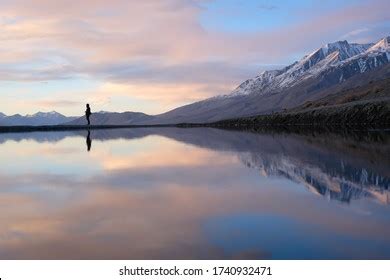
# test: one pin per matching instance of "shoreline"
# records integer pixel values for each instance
(356, 116)
(231, 125)
(363, 115)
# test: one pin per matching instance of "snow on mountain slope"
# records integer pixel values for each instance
(309, 66)
(382, 46)
(261, 82)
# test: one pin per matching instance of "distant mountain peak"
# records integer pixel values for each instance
(345, 49)
(344, 44)
(51, 113)
(382, 46)
(337, 44)
(44, 114)
(39, 118)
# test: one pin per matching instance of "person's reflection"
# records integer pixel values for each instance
(89, 141)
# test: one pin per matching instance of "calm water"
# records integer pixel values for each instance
(172, 193)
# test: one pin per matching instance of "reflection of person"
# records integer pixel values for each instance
(88, 113)
(89, 141)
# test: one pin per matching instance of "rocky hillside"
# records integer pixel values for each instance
(367, 105)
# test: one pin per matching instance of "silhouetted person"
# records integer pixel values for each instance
(89, 141)
(88, 113)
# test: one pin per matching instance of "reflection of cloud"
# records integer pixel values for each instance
(154, 157)
(156, 198)
(162, 222)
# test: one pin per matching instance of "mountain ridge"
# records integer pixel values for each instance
(326, 70)
(39, 118)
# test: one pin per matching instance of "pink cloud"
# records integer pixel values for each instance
(110, 40)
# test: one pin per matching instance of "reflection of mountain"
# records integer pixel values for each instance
(337, 166)
(55, 136)
(343, 182)
(341, 167)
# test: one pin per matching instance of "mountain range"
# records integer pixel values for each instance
(332, 68)
(40, 118)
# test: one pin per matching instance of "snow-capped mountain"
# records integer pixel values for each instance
(339, 55)
(334, 66)
(309, 66)
(382, 46)
(40, 118)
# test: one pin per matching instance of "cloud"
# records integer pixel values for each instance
(267, 7)
(355, 32)
(57, 103)
(158, 44)
(366, 34)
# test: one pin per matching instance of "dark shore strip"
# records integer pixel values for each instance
(339, 117)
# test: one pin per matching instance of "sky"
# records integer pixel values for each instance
(154, 55)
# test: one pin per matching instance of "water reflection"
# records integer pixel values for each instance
(194, 193)
(331, 165)
(89, 141)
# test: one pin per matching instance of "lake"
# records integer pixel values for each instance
(194, 193)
